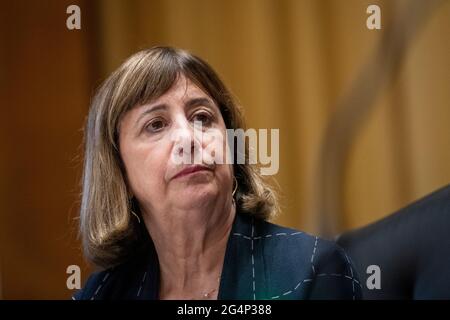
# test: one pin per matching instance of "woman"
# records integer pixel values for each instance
(165, 229)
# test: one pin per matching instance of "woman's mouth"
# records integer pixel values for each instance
(191, 170)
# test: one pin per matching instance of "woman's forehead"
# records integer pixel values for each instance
(183, 90)
(184, 93)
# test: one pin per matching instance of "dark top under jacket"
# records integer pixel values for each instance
(262, 261)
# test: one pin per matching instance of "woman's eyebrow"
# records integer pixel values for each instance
(154, 108)
(199, 101)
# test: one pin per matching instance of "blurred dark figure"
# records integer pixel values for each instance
(411, 247)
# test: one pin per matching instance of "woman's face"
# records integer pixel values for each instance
(168, 163)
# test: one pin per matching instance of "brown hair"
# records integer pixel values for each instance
(108, 232)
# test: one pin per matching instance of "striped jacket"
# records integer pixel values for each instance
(262, 261)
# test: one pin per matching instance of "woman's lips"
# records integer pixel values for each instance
(190, 170)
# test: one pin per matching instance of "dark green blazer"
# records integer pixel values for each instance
(262, 261)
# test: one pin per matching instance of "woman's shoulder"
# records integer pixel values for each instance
(94, 285)
(301, 245)
(123, 280)
(314, 259)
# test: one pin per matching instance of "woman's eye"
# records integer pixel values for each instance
(204, 118)
(155, 126)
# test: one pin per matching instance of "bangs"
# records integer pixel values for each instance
(148, 77)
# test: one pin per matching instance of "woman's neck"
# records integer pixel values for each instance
(191, 247)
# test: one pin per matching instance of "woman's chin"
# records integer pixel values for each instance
(196, 195)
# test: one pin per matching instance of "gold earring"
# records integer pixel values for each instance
(235, 187)
(137, 217)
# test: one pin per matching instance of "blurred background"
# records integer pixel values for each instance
(364, 115)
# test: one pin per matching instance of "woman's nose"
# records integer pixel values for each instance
(187, 141)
